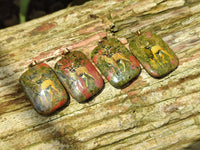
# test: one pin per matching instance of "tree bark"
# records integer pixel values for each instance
(148, 114)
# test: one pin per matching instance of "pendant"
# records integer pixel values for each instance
(79, 76)
(115, 62)
(44, 90)
(154, 54)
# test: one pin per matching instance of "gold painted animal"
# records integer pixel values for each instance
(117, 57)
(45, 84)
(158, 50)
(82, 71)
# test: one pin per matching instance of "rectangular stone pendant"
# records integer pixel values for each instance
(154, 54)
(79, 76)
(43, 89)
(115, 62)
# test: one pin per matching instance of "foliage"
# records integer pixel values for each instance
(23, 10)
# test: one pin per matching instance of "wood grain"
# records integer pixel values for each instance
(148, 114)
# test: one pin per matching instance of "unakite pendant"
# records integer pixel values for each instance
(79, 76)
(43, 89)
(115, 62)
(154, 54)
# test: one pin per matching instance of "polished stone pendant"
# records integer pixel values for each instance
(79, 76)
(154, 54)
(44, 90)
(115, 62)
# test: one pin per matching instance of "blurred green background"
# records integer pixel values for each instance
(13, 12)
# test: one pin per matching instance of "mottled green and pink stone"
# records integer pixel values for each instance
(44, 90)
(79, 76)
(157, 58)
(115, 62)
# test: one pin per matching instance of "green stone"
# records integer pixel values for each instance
(79, 76)
(157, 58)
(44, 90)
(115, 62)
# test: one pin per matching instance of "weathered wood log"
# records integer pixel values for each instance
(148, 114)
